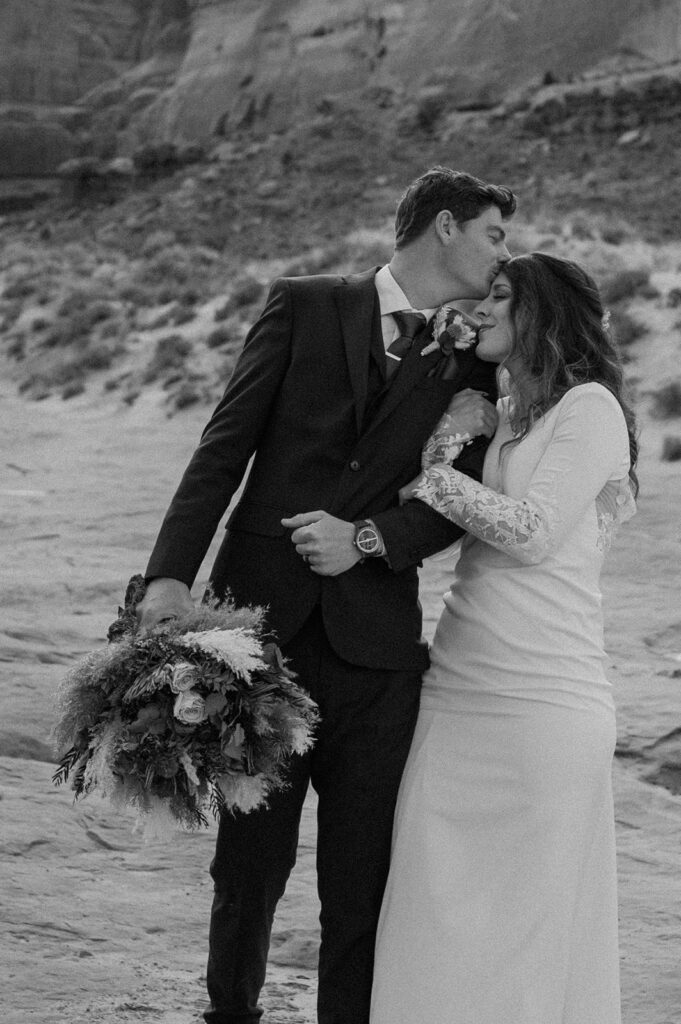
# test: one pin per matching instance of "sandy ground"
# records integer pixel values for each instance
(98, 926)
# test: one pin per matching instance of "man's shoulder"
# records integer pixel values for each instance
(324, 283)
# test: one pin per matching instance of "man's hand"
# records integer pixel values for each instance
(406, 493)
(324, 542)
(165, 599)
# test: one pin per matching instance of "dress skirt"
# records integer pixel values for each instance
(501, 905)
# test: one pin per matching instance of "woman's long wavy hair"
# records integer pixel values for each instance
(561, 340)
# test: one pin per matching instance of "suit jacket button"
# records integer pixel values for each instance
(354, 465)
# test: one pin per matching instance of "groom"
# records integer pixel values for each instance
(335, 399)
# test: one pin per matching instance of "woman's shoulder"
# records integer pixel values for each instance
(590, 399)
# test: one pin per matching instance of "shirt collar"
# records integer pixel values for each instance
(391, 298)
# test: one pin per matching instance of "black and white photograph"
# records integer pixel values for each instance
(340, 617)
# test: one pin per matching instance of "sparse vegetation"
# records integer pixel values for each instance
(625, 328)
(671, 449)
(219, 337)
(625, 285)
(667, 401)
(170, 354)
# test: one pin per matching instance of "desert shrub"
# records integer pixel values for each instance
(671, 449)
(162, 320)
(183, 315)
(138, 295)
(10, 312)
(667, 401)
(428, 110)
(112, 383)
(76, 387)
(157, 241)
(625, 285)
(16, 348)
(67, 371)
(170, 354)
(111, 329)
(625, 329)
(100, 355)
(613, 235)
(75, 327)
(156, 160)
(173, 378)
(582, 228)
(187, 394)
(20, 289)
(59, 334)
(86, 318)
(171, 267)
(93, 177)
(166, 295)
(36, 385)
(219, 337)
(246, 291)
(131, 396)
(77, 301)
(674, 298)
(40, 323)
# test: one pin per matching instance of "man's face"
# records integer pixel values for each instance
(476, 253)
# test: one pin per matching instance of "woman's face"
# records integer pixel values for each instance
(496, 335)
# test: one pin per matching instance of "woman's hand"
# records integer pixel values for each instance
(469, 412)
(468, 415)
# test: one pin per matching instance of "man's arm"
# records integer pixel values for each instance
(409, 535)
(409, 532)
(230, 438)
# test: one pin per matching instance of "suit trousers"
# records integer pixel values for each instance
(367, 722)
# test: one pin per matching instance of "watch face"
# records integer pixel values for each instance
(367, 540)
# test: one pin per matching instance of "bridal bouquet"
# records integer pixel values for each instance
(197, 714)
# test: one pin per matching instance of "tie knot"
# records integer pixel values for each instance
(409, 323)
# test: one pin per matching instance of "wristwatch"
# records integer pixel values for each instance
(367, 539)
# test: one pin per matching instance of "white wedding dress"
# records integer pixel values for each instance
(501, 902)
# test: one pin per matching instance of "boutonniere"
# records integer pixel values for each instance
(452, 331)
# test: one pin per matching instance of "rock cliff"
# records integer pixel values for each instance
(187, 70)
(268, 61)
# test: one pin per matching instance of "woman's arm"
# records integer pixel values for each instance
(588, 447)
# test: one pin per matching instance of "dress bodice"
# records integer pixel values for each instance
(526, 591)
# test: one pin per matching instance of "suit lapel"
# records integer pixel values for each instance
(356, 299)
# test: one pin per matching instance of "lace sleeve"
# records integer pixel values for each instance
(514, 526)
(588, 446)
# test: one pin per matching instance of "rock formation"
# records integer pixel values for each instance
(188, 70)
(267, 62)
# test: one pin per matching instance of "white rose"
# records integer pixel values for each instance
(183, 677)
(190, 708)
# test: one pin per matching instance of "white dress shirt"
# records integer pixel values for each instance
(391, 300)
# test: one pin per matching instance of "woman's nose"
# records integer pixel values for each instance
(480, 311)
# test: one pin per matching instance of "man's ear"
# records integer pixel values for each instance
(445, 227)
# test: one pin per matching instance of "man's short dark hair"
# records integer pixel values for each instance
(441, 188)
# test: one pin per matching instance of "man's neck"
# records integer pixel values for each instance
(420, 280)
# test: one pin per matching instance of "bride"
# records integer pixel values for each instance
(501, 903)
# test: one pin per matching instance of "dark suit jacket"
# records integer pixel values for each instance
(297, 400)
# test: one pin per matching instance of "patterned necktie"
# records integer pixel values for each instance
(409, 324)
